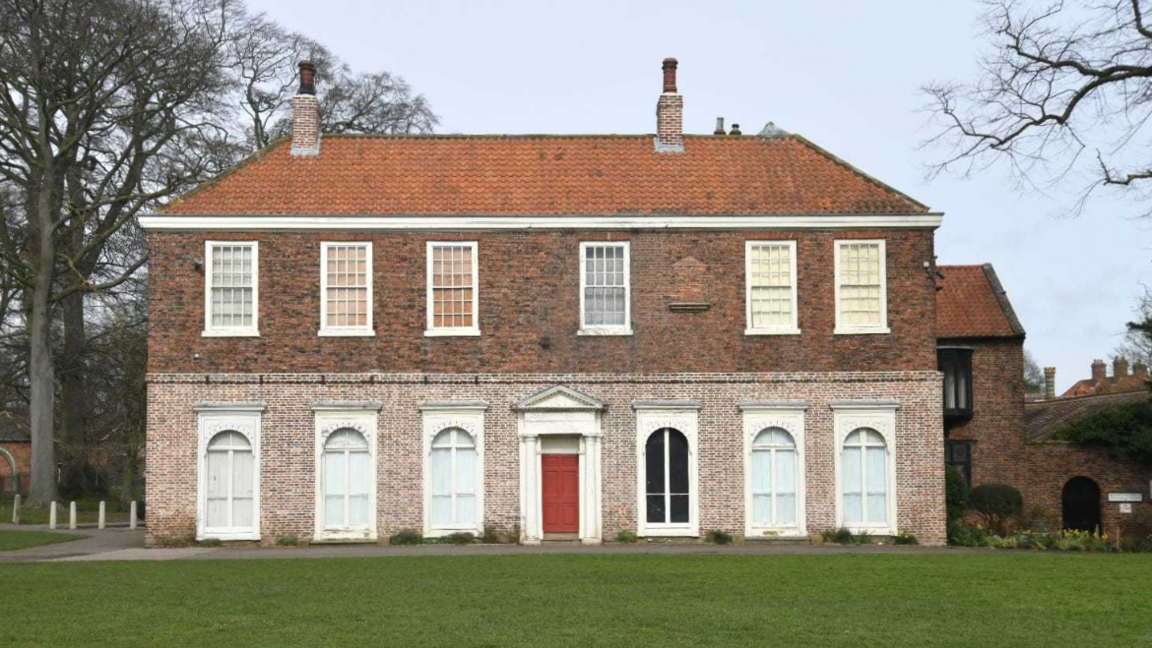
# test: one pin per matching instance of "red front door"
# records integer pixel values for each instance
(561, 493)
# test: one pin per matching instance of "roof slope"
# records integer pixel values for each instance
(1109, 385)
(1043, 419)
(545, 174)
(971, 303)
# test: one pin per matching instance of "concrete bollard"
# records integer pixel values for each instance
(16, 509)
(132, 515)
(72, 515)
(52, 516)
(100, 518)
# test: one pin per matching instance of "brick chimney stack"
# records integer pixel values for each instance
(306, 113)
(1049, 383)
(1119, 368)
(1140, 370)
(1099, 370)
(670, 113)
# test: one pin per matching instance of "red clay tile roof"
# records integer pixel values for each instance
(1109, 385)
(1043, 419)
(970, 303)
(546, 174)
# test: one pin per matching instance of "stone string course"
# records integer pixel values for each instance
(288, 442)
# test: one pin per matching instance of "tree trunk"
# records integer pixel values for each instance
(74, 396)
(41, 373)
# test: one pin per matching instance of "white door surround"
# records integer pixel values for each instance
(559, 411)
(651, 416)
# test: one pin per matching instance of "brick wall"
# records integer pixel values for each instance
(529, 308)
(287, 488)
(22, 455)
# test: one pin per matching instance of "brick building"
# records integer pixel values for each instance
(15, 453)
(994, 436)
(561, 336)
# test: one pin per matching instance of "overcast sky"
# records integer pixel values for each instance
(844, 74)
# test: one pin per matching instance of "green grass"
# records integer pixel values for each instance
(12, 540)
(854, 600)
(87, 511)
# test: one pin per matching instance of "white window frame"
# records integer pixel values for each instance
(790, 418)
(364, 420)
(468, 416)
(443, 331)
(626, 328)
(212, 420)
(231, 331)
(882, 327)
(794, 327)
(650, 417)
(849, 416)
(344, 331)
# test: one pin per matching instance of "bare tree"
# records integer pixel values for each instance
(1063, 98)
(1033, 374)
(1137, 343)
(101, 102)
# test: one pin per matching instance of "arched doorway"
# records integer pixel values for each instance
(1081, 505)
(8, 479)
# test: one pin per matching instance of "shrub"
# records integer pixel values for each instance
(1124, 430)
(839, 536)
(960, 535)
(955, 492)
(717, 536)
(905, 539)
(626, 537)
(406, 538)
(464, 538)
(862, 539)
(210, 542)
(996, 504)
(288, 541)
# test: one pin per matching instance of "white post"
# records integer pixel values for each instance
(52, 516)
(132, 515)
(16, 509)
(100, 519)
(72, 515)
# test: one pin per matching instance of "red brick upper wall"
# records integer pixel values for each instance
(529, 307)
(553, 174)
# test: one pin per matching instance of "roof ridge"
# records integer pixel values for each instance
(1068, 399)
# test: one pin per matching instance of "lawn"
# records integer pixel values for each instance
(12, 540)
(87, 511)
(856, 600)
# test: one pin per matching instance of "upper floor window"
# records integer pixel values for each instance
(346, 289)
(604, 289)
(231, 292)
(770, 285)
(956, 365)
(453, 301)
(861, 287)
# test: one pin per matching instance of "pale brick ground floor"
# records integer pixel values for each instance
(604, 419)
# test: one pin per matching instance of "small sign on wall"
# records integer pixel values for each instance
(1125, 508)
(1125, 497)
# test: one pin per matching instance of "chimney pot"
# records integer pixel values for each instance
(307, 78)
(1099, 370)
(670, 75)
(1049, 383)
(735, 130)
(719, 126)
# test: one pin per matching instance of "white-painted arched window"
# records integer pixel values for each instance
(864, 481)
(454, 480)
(229, 483)
(667, 495)
(347, 474)
(774, 478)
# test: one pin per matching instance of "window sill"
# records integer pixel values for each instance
(227, 536)
(346, 333)
(775, 533)
(449, 332)
(440, 533)
(345, 537)
(593, 332)
(872, 531)
(227, 333)
(767, 331)
(863, 331)
(669, 532)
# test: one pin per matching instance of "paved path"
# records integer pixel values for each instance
(122, 544)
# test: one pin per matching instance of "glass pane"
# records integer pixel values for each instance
(851, 483)
(654, 464)
(442, 471)
(656, 509)
(334, 511)
(465, 471)
(217, 489)
(464, 440)
(242, 466)
(334, 473)
(762, 471)
(877, 487)
(443, 439)
(678, 462)
(762, 509)
(441, 510)
(360, 471)
(679, 508)
(785, 472)
(358, 511)
(786, 509)
(465, 509)
(242, 512)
